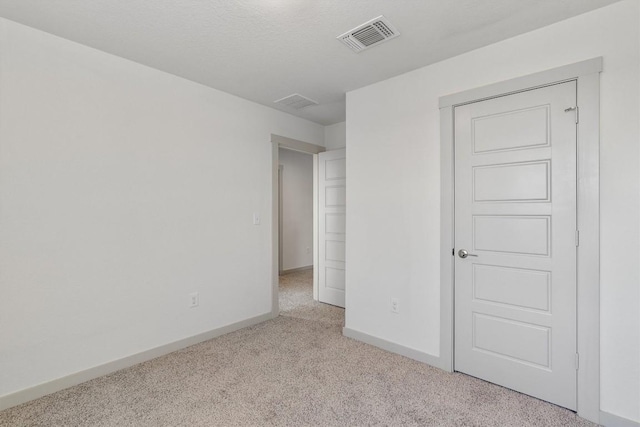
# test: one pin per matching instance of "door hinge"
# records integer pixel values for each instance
(577, 238)
(577, 362)
(576, 109)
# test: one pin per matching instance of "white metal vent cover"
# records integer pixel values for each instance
(295, 101)
(369, 34)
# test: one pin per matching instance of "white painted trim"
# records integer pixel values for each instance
(531, 81)
(278, 142)
(40, 390)
(610, 420)
(409, 352)
(294, 144)
(586, 74)
(589, 250)
(280, 227)
(296, 270)
(275, 228)
(446, 238)
(316, 242)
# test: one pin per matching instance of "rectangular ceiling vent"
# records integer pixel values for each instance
(295, 101)
(369, 34)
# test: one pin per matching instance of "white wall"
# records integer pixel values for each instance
(335, 136)
(297, 209)
(393, 162)
(122, 189)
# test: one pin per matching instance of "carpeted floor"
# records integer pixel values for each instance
(295, 370)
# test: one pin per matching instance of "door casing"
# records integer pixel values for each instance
(280, 225)
(587, 76)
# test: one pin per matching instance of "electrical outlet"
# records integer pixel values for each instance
(308, 250)
(194, 300)
(395, 305)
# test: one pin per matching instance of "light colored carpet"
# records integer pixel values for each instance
(296, 300)
(295, 370)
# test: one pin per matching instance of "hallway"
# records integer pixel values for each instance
(296, 300)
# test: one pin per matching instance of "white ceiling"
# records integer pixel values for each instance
(263, 50)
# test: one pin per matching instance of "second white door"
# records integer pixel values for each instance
(515, 242)
(331, 227)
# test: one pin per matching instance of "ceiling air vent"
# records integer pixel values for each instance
(369, 34)
(295, 101)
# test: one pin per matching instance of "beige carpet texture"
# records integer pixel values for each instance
(295, 370)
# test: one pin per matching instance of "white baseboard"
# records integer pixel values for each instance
(40, 390)
(610, 420)
(409, 352)
(295, 270)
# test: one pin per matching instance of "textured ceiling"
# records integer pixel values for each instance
(263, 50)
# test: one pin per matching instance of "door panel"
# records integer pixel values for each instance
(335, 251)
(332, 207)
(516, 235)
(521, 342)
(512, 182)
(515, 213)
(334, 222)
(514, 129)
(335, 196)
(516, 287)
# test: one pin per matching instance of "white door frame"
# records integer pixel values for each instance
(280, 227)
(587, 76)
(278, 142)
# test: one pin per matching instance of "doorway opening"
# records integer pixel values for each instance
(295, 232)
(308, 217)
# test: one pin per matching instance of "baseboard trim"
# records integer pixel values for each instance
(610, 420)
(40, 390)
(409, 352)
(295, 270)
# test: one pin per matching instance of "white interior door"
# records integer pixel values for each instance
(515, 214)
(331, 226)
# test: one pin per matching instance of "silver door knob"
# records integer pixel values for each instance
(463, 253)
